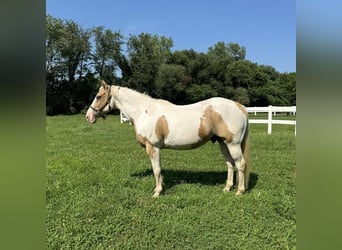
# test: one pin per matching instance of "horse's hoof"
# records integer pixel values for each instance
(239, 192)
(156, 194)
(226, 189)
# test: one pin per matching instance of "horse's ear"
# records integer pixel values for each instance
(104, 84)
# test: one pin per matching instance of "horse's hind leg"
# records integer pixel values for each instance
(154, 154)
(240, 164)
(241, 176)
(229, 161)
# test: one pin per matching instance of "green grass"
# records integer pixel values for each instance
(100, 183)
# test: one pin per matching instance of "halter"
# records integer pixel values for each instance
(107, 103)
(99, 110)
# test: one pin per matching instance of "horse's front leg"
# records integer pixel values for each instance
(154, 154)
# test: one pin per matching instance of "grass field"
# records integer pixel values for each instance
(100, 183)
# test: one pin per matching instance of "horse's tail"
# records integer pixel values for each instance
(245, 146)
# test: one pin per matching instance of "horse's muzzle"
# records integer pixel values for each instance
(90, 117)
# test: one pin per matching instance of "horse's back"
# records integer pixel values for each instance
(233, 113)
(201, 120)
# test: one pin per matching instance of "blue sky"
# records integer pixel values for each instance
(267, 28)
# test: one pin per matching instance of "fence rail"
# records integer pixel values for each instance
(272, 110)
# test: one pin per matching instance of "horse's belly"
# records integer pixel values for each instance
(184, 146)
(184, 141)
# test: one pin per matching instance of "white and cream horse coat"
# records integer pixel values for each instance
(160, 124)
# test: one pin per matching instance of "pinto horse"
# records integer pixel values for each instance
(160, 124)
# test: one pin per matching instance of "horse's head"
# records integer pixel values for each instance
(101, 104)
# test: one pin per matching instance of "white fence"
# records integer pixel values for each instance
(272, 110)
(123, 118)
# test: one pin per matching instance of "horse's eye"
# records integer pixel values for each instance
(98, 97)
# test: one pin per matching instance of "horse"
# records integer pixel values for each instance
(159, 124)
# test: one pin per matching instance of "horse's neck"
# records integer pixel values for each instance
(130, 102)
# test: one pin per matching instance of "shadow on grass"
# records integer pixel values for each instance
(210, 178)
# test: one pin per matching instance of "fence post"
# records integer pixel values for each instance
(269, 126)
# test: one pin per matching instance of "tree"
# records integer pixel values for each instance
(146, 53)
(107, 53)
(245, 74)
(195, 64)
(287, 83)
(67, 58)
(73, 63)
(280, 92)
(221, 55)
(198, 92)
(227, 52)
(68, 48)
(270, 71)
(171, 82)
(75, 49)
(237, 94)
(54, 31)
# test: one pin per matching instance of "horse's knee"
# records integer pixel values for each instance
(241, 164)
(150, 150)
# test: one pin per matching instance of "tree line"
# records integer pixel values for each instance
(76, 57)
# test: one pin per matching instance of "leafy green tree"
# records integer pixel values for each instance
(245, 74)
(226, 52)
(199, 69)
(236, 94)
(107, 53)
(270, 71)
(182, 57)
(275, 95)
(280, 92)
(67, 61)
(287, 83)
(290, 87)
(236, 52)
(196, 65)
(55, 69)
(171, 82)
(221, 55)
(68, 48)
(198, 92)
(72, 66)
(258, 96)
(74, 47)
(82, 93)
(146, 53)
